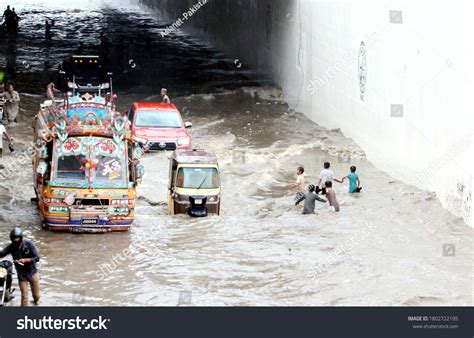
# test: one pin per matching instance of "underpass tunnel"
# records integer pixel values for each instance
(268, 86)
(387, 73)
(383, 72)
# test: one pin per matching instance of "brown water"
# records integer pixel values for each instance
(385, 247)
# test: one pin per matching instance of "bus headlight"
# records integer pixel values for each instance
(118, 202)
(49, 200)
(57, 209)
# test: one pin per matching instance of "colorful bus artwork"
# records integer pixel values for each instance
(86, 165)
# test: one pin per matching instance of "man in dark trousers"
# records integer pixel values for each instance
(25, 256)
(309, 200)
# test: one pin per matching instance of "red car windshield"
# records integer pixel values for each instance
(158, 119)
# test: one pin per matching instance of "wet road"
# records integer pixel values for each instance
(388, 246)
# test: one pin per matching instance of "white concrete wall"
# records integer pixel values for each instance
(311, 49)
(425, 63)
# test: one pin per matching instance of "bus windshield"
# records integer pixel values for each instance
(88, 164)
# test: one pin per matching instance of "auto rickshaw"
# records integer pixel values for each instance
(194, 183)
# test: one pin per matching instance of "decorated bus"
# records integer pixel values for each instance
(86, 164)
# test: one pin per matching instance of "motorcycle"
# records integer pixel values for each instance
(6, 277)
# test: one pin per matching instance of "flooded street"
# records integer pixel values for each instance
(390, 245)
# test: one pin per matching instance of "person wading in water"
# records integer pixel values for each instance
(47, 30)
(309, 200)
(11, 105)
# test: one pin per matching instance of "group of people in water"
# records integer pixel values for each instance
(10, 19)
(325, 187)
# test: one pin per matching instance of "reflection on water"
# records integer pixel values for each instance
(137, 53)
(384, 248)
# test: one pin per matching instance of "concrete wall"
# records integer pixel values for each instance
(417, 58)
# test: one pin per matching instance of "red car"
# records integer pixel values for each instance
(159, 126)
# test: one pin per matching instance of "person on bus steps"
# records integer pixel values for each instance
(25, 256)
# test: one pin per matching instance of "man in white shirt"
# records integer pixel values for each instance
(3, 132)
(326, 175)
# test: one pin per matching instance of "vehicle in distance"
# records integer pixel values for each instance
(159, 126)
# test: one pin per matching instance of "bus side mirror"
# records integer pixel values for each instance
(188, 125)
(139, 173)
(41, 168)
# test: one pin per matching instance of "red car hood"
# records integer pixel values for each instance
(158, 134)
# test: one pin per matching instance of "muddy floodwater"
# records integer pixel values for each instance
(393, 244)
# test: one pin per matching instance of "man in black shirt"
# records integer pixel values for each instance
(25, 256)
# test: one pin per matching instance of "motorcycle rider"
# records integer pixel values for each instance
(25, 256)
